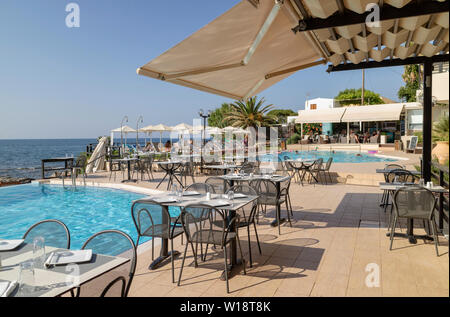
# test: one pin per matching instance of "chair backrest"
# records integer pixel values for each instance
(203, 223)
(400, 176)
(329, 162)
(151, 219)
(55, 233)
(392, 167)
(202, 188)
(414, 201)
(248, 212)
(266, 190)
(247, 168)
(115, 243)
(81, 161)
(219, 185)
(318, 163)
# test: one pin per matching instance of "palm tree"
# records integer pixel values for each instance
(441, 130)
(250, 114)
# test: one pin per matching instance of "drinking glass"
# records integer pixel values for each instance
(26, 277)
(174, 189)
(39, 252)
(421, 182)
(231, 195)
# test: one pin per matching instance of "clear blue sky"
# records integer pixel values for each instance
(57, 82)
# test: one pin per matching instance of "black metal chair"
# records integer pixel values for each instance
(186, 170)
(219, 185)
(201, 188)
(325, 170)
(415, 203)
(154, 221)
(55, 233)
(200, 228)
(385, 192)
(247, 215)
(113, 243)
(315, 168)
(269, 195)
(397, 176)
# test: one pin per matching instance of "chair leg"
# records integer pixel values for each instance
(172, 260)
(435, 236)
(242, 255)
(257, 238)
(226, 267)
(393, 232)
(249, 246)
(288, 214)
(182, 264)
(153, 249)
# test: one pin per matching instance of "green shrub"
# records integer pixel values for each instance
(294, 139)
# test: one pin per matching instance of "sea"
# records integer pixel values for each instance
(22, 158)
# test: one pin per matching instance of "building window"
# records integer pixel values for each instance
(313, 107)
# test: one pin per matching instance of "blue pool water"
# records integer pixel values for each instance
(85, 210)
(338, 156)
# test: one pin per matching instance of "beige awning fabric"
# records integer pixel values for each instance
(243, 52)
(388, 112)
(332, 115)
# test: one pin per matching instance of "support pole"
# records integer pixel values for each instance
(427, 120)
(348, 132)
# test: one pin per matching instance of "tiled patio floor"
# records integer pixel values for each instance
(337, 242)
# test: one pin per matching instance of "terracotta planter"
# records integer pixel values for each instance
(441, 151)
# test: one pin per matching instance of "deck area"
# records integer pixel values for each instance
(336, 245)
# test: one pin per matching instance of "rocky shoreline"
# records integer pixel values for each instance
(9, 181)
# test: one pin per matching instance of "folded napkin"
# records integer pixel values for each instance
(165, 200)
(191, 193)
(239, 195)
(68, 257)
(217, 203)
(6, 288)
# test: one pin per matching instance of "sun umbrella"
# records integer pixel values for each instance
(125, 130)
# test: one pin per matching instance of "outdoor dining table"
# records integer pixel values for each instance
(128, 160)
(170, 167)
(236, 178)
(410, 231)
(56, 280)
(68, 161)
(233, 206)
(306, 165)
(224, 168)
(389, 170)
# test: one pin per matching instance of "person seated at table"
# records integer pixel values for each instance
(366, 137)
(353, 137)
(168, 146)
(148, 147)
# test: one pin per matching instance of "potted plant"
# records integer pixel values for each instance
(440, 137)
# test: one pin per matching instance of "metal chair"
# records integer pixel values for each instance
(316, 168)
(55, 233)
(415, 203)
(200, 228)
(186, 170)
(325, 170)
(154, 221)
(201, 188)
(219, 185)
(389, 167)
(269, 195)
(398, 176)
(247, 215)
(113, 243)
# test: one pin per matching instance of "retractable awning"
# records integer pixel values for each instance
(387, 112)
(243, 52)
(332, 115)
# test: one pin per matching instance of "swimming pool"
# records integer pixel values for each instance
(84, 210)
(338, 156)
